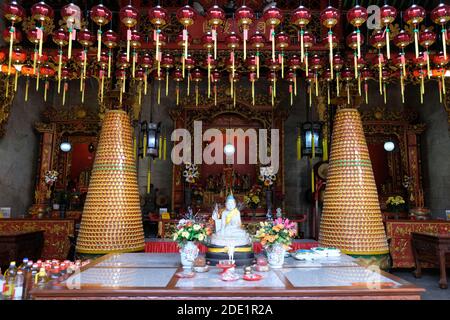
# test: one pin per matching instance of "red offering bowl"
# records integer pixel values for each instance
(225, 265)
(253, 277)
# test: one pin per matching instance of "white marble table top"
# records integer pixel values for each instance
(341, 261)
(142, 260)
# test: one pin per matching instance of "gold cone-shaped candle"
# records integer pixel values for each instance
(112, 219)
(351, 218)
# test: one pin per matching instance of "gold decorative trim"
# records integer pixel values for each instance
(225, 250)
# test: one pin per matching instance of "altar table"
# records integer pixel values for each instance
(432, 248)
(399, 232)
(56, 234)
(152, 276)
(160, 246)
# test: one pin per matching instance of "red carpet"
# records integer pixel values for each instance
(171, 247)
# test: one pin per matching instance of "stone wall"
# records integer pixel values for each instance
(19, 151)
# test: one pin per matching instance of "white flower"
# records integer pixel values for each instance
(201, 237)
(175, 236)
(197, 227)
(185, 234)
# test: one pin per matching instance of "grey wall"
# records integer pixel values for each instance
(19, 151)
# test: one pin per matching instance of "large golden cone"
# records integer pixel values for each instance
(351, 218)
(112, 219)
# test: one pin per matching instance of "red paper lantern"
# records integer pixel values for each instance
(273, 16)
(135, 39)
(329, 17)
(352, 40)
(273, 65)
(18, 56)
(334, 40)
(326, 74)
(196, 75)
(378, 40)
(139, 74)
(232, 40)
(158, 16)
(13, 12)
(366, 74)
(129, 16)
(294, 62)
(145, 60)
(177, 75)
(427, 38)
(301, 16)
(47, 71)
(357, 15)
(244, 15)
(100, 15)
(399, 60)
(69, 13)
(440, 59)
(85, 38)
(60, 37)
(441, 14)
(402, 39)
(208, 40)
(186, 15)
(414, 15)
(215, 16)
(257, 40)
(104, 57)
(387, 14)
(190, 62)
(27, 70)
(122, 61)
(347, 74)
(309, 39)
(251, 63)
(338, 62)
(16, 35)
(167, 61)
(181, 40)
(316, 62)
(215, 76)
(110, 39)
(420, 60)
(282, 40)
(42, 12)
(32, 36)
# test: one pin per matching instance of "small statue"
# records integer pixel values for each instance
(279, 214)
(269, 214)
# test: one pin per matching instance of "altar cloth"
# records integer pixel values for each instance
(157, 246)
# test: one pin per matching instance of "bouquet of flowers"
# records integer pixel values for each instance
(279, 231)
(267, 176)
(190, 172)
(252, 199)
(190, 230)
(396, 203)
(51, 176)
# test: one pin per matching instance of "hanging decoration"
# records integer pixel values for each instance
(86, 39)
(129, 17)
(178, 77)
(273, 17)
(294, 64)
(232, 40)
(354, 41)
(208, 44)
(301, 18)
(401, 41)
(387, 17)
(71, 15)
(145, 61)
(356, 16)
(309, 41)
(282, 41)
(413, 16)
(167, 63)
(441, 15)
(329, 17)
(378, 41)
(338, 63)
(61, 39)
(420, 62)
(186, 16)
(257, 41)
(426, 40)
(14, 13)
(110, 40)
(159, 17)
(101, 16)
(244, 16)
(216, 18)
(197, 77)
(215, 78)
(366, 75)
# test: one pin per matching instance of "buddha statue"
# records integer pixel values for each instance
(228, 224)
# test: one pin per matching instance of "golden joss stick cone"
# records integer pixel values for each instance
(355, 228)
(112, 218)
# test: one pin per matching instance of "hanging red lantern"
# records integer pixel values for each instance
(145, 60)
(208, 41)
(61, 38)
(43, 13)
(244, 15)
(215, 78)
(366, 75)
(257, 40)
(356, 16)
(46, 71)
(129, 16)
(441, 15)
(402, 39)
(110, 40)
(354, 41)
(101, 16)
(301, 18)
(251, 64)
(33, 36)
(71, 15)
(135, 43)
(167, 63)
(426, 40)
(186, 16)
(232, 40)
(122, 62)
(329, 17)
(197, 77)
(282, 41)
(86, 39)
(15, 13)
(189, 65)
(413, 16)
(326, 75)
(27, 71)
(294, 63)
(316, 63)
(121, 76)
(15, 37)
(215, 17)
(178, 77)
(159, 17)
(273, 17)
(387, 17)
(309, 41)
(400, 62)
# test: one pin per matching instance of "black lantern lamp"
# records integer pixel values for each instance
(311, 147)
(153, 139)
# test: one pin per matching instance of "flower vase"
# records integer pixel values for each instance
(275, 255)
(189, 253)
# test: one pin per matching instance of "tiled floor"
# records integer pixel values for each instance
(429, 281)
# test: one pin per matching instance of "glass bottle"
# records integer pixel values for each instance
(10, 276)
(18, 285)
(41, 278)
